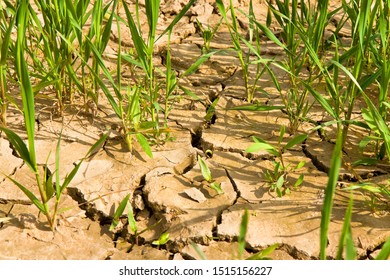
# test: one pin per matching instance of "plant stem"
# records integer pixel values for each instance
(3, 89)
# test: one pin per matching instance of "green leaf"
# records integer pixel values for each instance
(5, 44)
(299, 180)
(211, 110)
(139, 44)
(48, 183)
(243, 232)
(333, 176)
(295, 141)
(206, 173)
(119, 211)
(97, 145)
(68, 178)
(24, 78)
(279, 192)
(144, 144)
(364, 186)
(258, 140)
(345, 237)
(20, 147)
(262, 255)
(197, 63)
(365, 162)
(217, 187)
(182, 12)
(271, 36)
(300, 165)
(131, 220)
(280, 182)
(385, 251)
(190, 93)
(281, 134)
(256, 147)
(164, 238)
(30, 195)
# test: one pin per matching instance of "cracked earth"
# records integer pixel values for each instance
(168, 192)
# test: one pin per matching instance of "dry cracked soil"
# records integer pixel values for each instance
(168, 192)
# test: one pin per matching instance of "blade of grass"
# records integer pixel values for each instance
(206, 173)
(345, 234)
(30, 195)
(333, 176)
(20, 147)
(243, 230)
(119, 211)
(385, 251)
(24, 78)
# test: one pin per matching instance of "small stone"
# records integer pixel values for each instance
(138, 202)
(195, 194)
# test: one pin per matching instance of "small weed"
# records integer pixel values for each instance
(278, 178)
(207, 34)
(206, 173)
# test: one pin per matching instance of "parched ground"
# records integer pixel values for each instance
(168, 192)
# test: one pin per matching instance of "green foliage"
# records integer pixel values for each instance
(277, 179)
(6, 26)
(333, 176)
(118, 212)
(207, 34)
(206, 173)
(239, 42)
(162, 240)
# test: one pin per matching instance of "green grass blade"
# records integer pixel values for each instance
(5, 44)
(217, 187)
(144, 144)
(105, 37)
(97, 145)
(24, 78)
(385, 251)
(345, 232)
(139, 44)
(256, 147)
(152, 8)
(20, 147)
(190, 93)
(57, 171)
(69, 177)
(333, 176)
(206, 173)
(131, 220)
(177, 18)
(243, 230)
(321, 100)
(119, 211)
(163, 239)
(295, 141)
(30, 195)
(262, 255)
(271, 36)
(197, 63)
